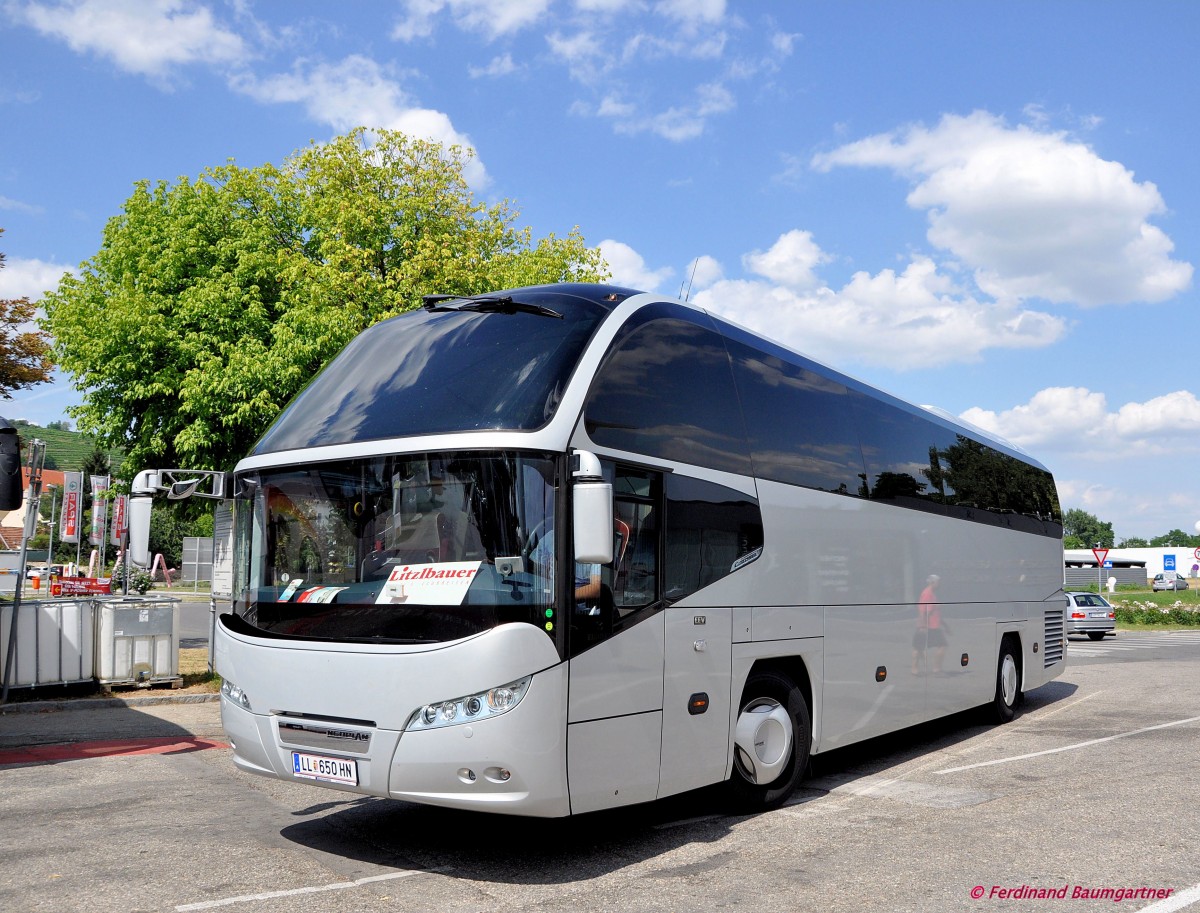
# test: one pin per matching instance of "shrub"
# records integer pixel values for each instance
(139, 581)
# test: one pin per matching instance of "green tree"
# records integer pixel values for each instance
(1177, 538)
(1083, 530)
(211, 302)
(24, 349)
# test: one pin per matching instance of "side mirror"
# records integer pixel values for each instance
(139, 530)
(592, 506)
(11, 488)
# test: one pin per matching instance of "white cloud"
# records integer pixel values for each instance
(702, 273)
(17, 206)
(1035, 214)
(499, 66)
(146, 37)
(629, 269)
(605, 7)
(677, 123)
(691, 11)
(911, 319)
(29, 278)
(915, 318)
(790, 261)
(1077, 420)
(358, 92)
(492, 18)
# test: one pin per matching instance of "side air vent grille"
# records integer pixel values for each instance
(1055, 638)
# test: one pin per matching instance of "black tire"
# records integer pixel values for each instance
(747, 796)
(1096, 635)
(1008, 697)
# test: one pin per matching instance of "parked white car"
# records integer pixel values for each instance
(1169, 581)
(1090, 614)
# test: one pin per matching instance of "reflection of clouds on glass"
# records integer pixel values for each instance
(430, 373)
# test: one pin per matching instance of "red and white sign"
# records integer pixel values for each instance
(73, 485)
(86, 586)
(116, 534)
(430, 584)
(1101, 554)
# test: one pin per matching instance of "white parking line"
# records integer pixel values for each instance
(294, 892)
(1174, 902)
(1089, 742)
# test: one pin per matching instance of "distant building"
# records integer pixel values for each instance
(1130, 565)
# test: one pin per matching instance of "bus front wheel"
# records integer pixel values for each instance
(1008, 680)
(772, 739)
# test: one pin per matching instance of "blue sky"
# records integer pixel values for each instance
(989, 207)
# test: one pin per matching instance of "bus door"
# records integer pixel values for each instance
(616, 646)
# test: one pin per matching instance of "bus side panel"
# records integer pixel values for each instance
(614, 718)
(613, 762)
(695, 739)
(870, 685)
(619, 676)
(951, 684)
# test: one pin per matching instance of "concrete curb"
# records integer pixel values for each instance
(106, 703)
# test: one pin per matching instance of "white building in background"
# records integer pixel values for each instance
(1161, 560)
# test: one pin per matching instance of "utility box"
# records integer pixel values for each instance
(137, 642)
(54, 642)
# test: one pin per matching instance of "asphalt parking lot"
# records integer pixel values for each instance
(1090, 794)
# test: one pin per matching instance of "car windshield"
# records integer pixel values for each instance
(417, 548)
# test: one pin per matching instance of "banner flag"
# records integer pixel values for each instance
(68, 530)
(99, 508)
(117, 533)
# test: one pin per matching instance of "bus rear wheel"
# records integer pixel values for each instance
(1008, 680)
(772, 739)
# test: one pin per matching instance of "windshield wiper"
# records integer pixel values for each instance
(487, 304)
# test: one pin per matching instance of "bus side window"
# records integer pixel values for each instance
(629, 587)
(634, 578)
(708, 529)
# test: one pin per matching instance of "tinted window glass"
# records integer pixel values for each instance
(429, 372)
(799, 423)
(709, 527)
(901, 452)
(666, 391)
(629, 585)
(1000, 487)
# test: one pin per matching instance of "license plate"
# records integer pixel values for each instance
(1099, 615)
(320, 767)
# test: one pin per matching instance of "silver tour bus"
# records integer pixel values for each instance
(559, 549)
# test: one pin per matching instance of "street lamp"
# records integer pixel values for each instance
(50, 548)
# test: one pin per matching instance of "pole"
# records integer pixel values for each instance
(50, 547)
(37, 453)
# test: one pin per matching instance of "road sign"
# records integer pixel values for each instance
(1101, 554)
(1168, 562)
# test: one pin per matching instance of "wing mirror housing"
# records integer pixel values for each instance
(592, 507)
(138, 515)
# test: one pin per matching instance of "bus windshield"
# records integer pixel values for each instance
(413, 548)
(468, 366)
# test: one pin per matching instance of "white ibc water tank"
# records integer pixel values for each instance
(137, 641)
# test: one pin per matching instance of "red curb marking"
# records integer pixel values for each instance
(50, 754)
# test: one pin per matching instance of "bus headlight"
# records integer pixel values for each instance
(235, 694)
(480, 706)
